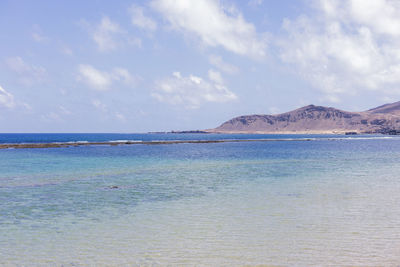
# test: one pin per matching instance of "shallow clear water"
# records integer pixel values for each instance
(321, 202)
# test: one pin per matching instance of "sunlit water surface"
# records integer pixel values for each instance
(322, 202)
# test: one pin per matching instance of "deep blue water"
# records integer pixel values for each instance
(104, 137)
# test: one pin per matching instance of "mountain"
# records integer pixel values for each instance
(318, 119)
(393, 108)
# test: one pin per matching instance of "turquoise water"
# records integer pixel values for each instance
(319, 202)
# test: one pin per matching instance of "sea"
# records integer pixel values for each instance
(291, 200)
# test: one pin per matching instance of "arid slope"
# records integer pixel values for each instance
(317, 119)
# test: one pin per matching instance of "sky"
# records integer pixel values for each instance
(161, 65)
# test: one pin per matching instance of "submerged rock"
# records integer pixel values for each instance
(113, 187)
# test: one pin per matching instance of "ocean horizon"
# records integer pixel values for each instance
(332, 200)
(15, 138)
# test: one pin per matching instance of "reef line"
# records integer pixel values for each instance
(116, 143)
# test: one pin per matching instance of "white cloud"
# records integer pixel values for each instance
(102, 80)
(192, 91)
(95, 78)
(105, 34)
(122, 75)
(255, 3)
(38, 35)
(57, 115)
(218, 62)
(29, 74)
(109, 35)
(214, 24)
(51, 116)
(139, 19)
(26, 106)
(67, 50)
(381, 15)
(119, 116)
(330, 98)
(215, 76)
(64, 110)
(347, 46)
(99, 105)
(134, 41)
(6, 99)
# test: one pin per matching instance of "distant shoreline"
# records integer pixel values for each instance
(170, 142)
(213, 131)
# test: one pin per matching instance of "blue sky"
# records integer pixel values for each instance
(160, 65)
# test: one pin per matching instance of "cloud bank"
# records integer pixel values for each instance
(139, 19)
(214, 24)
(192, 91)
(346, 46)
(6, 99)
(103, 80)
(28, 74)
(109, 35)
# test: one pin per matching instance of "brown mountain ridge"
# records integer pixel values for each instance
(318, 119)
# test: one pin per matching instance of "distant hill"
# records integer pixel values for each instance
(393, 108)
(318, 119)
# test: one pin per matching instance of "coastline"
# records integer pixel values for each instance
(338, 132)
(171, 142)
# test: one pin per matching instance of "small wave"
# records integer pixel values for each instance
(361, 138)
(124, 141)
(70, 142)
